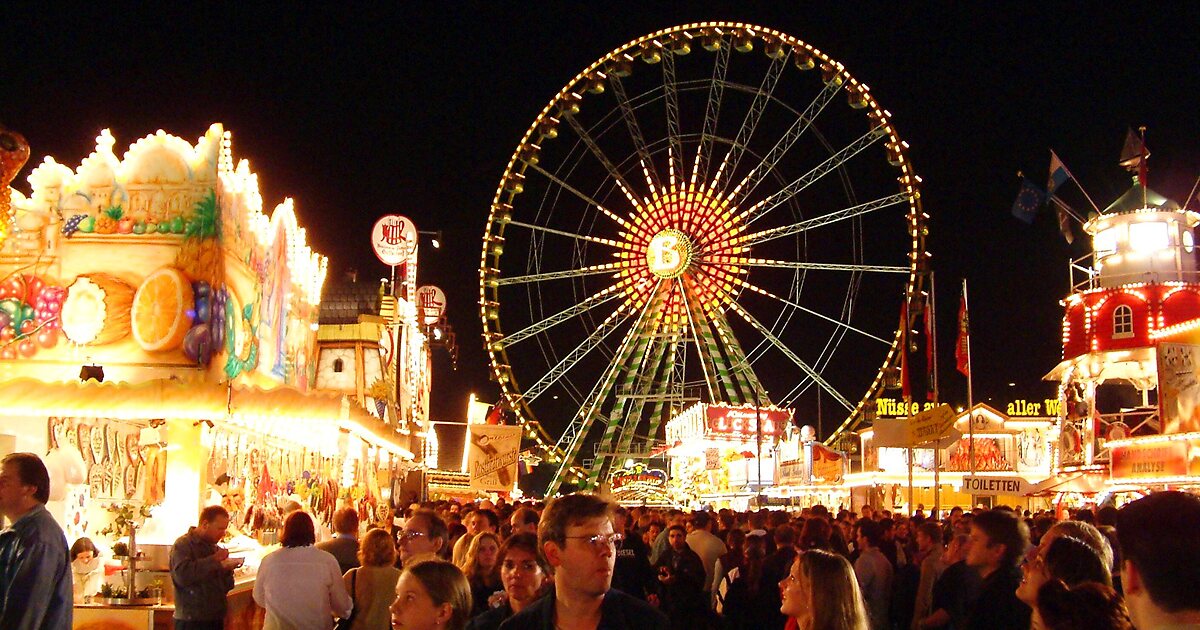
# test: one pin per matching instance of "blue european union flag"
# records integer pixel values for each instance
(1029, 199)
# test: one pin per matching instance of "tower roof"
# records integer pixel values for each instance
(1132, 201)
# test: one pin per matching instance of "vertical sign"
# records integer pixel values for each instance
(492, 459)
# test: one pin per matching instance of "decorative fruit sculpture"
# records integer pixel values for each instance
(162, 310)
(96, 309)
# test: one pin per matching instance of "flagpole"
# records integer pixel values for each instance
(1142, 166)
(970, 391)
(937, 466)
(1081, 188)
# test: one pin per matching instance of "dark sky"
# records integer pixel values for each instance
(357, 112)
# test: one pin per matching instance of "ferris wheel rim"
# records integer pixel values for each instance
(511, 391)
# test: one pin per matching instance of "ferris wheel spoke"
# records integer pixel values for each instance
(712, 110)
(767, 164)
(783, 264)
(557, 275)
(599, 154)
(672, 102)
(635, 133)
(834, 161)
(759, 290)
(578, 237)
(590, 303)
(823, 220)
(586, 198)
(761, 98)
(710, 378)
(787, 352)
(610, 323)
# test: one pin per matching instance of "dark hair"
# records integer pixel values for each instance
(377, 549)
(1074, 561)
(445, 584)
(564, 512)
(437, 527)
(491, 517)
(700, 520)
(1002, 527)
(784, 535)
(298, 530)
(526, 516)
(212, 513)
(82, 545)
(31, 471)
(1160, 535)
(1087, 606)
(676, 527)
(345, 521)
(753, 558)
(932, 530)
(525, 542)
(871, 530)
(815, 534)
(1106, 515)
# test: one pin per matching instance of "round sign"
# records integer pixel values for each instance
(394, 238)
(669, 254)
(431, 302)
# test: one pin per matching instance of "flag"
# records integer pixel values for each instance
(962, 353)
(1064, 219)
(905, 386)
(498, 413)
(1134, 155)
(1029, 199)
(930, 342)
(1058, 175)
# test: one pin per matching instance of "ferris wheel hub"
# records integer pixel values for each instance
(669, 254)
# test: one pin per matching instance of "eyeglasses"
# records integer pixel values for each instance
(599, 541)
(410, 536)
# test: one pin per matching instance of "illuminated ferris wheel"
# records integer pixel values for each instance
(715, 212)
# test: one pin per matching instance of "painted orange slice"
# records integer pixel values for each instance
(162, 310)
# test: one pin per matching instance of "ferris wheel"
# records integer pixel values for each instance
(715, 212)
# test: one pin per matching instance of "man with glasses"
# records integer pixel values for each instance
(423, 538)
(576, 537)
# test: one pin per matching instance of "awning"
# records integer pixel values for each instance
(1135, 365)
(1089, 482)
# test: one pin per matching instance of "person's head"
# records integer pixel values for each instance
(1160, 555)
(652, 531)
(576, 537)
(677, 537)
(290, 506)
(735, 539)
(214, 521)
(1085, 606)
(298, 530)
(870, 534)
(998, 538)
(376, 549)
(701, 520)
(432, 595)
(524, 521)
(784, 536)
(1067, 559)
(481, 555)
(424, 534)
(345, 521)
(929, 536)
(84, 549)
(522, 569)
(956, 549)
(815, 534)
(24, 484)
(821, 591)
(1085, 532)
(486, 520)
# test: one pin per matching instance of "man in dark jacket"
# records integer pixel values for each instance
(202, 573)
(632, 572)
(997, 543)
(35, 574)
(577, 539)
(681, 573)
(344, 544)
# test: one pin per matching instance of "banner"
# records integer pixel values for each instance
(1179, 387)
(492, 457)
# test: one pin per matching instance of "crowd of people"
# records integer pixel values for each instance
(581, 562)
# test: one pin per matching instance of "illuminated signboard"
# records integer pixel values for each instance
(893, 408)
(743, 422)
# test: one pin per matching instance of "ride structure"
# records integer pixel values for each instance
(692, 220)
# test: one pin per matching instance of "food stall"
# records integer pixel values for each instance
(810, 473)
(715, 451)
(157, 336)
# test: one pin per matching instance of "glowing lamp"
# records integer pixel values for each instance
(1148, 236)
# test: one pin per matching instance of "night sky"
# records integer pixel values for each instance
(356, 112)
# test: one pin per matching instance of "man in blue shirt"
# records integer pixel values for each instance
(35, 574)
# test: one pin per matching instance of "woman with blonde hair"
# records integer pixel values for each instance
(372, 585)
(821, 593)
(432, 595)
(482, 570)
